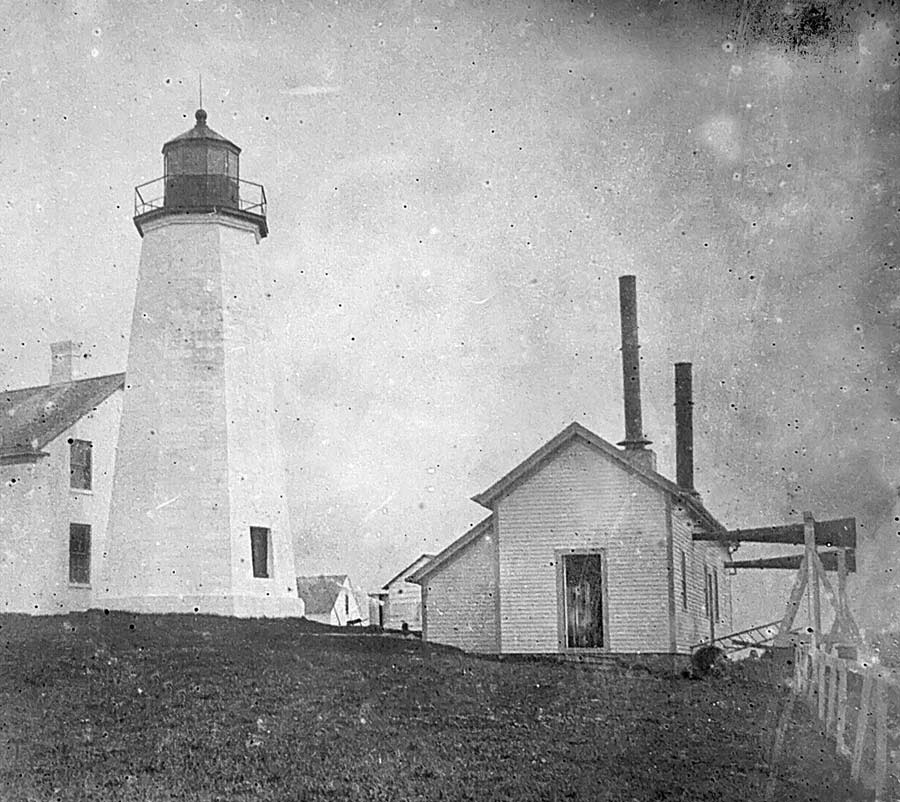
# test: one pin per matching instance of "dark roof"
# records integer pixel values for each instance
(403, 573)
(319, 593)
(34, 416)
(201, 131)
(453, 549)
(574, 431)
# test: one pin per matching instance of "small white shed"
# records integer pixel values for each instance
(399, 601)
(329, 599)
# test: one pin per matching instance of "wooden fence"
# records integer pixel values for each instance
(860, 707)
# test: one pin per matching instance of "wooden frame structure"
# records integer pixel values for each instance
(811, 567)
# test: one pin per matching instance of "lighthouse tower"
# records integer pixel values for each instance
(199, 519)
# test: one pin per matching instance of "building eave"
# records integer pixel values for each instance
(405, 571)
(22, 457)
(457, 546)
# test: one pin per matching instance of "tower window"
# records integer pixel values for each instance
(684, 593)
(80, 464)
(79, 554)
(260, 551)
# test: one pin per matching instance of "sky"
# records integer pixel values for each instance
(454, 188)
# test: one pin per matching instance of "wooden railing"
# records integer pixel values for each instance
(859, 704)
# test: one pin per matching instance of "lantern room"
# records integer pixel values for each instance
(202, 175)
(201, 168)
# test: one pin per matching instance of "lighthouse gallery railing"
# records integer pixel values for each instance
(186, 192)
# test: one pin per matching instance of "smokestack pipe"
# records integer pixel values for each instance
(684, 427)
(631, 366)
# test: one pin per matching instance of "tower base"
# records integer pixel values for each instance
(231, 605)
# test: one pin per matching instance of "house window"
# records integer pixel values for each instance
(347, 606)
(79, 554)
(684, 595)
(259, 551)
(80, 464)
(582, 586)
(707, 593)
(715, 589)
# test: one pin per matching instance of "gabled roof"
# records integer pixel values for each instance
(32, 417)
(575, 431)
(535, 461)
(452, 550)
(319, 593)
(423, 559)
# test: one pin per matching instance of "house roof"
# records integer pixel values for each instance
(405, 571)
(319, 593)
(452, 550)
(528, 466)
(575, 431)
(32, 417)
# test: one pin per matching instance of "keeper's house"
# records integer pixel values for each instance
(57, 452)
(587, 548)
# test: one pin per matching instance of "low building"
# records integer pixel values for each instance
(329, 599)
(399, 602)
(584, 550)
(587, 548)
(57, 454)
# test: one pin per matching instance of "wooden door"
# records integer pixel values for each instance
(583, 586)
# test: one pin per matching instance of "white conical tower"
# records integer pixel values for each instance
(199, 520)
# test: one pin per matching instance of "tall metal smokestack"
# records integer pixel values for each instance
(684, 427)
(631, 366)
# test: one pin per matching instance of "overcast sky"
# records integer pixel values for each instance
(453, 190)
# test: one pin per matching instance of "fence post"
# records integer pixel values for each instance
(809, 540)
(841, 724)
(823, 667)
(862, 722)
(780, 731)
(813, 672)
(833, 663)
(880, 740)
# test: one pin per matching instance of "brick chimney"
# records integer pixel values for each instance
(684, 427)
(635, 442)
(63, 356)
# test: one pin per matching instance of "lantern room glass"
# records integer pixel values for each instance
(201, 174)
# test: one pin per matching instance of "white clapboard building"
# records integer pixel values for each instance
(587, 548)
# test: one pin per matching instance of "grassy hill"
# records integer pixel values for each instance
(122, 707)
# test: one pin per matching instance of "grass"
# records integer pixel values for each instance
(122, 707)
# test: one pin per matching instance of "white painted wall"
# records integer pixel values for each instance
(100, 427)
(580, 500)
(692, 624)
(36, 507)
(460, 599)
(403, 604)
(198, 455)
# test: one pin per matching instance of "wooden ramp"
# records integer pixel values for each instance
(759, 637)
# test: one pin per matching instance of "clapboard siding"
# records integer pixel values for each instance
(460, 599)
(581, 499)
(692, 625)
